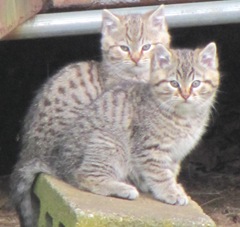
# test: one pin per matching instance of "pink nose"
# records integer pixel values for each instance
(135, 59)
(185, 96)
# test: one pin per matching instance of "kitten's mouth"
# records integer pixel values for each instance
(138, 69)
(138, 65)
(186, 102)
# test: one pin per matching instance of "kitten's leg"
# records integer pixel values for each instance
(160, 178)
(170, 192)
(104, 168)
(103, 184)
(109, 187)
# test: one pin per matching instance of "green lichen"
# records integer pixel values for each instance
(114, 221)
(53, 204)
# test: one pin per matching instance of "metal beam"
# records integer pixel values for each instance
(89, 22)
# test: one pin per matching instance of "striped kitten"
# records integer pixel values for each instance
(135, 135)
(80, 83)
(127, 46)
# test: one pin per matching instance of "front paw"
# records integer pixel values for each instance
(174, 195)
(177, 198)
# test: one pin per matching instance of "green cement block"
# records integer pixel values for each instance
(62, 205)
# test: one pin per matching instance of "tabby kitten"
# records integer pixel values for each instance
(127, 46)
(135, 135)
(80, 83)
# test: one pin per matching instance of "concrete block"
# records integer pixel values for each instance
(62, 205)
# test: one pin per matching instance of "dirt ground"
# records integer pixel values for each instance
(8, 217)
(219, 196)
(217, 193)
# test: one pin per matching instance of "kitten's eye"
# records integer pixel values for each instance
(124, 48)
(146, 47)
(196, 83)
(174, 83)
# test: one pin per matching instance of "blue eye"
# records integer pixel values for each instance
(146, 47)
(174, 83)
(124, 48)
(196, 83)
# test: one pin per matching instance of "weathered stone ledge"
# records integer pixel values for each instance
(62, 205)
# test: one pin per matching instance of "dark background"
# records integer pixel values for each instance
(25, 65)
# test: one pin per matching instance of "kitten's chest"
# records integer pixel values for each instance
(175, 136)
(185, 137)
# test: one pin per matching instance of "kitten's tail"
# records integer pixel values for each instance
(21, 183)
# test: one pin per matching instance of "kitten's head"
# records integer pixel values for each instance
(185, 79)
(128, 42)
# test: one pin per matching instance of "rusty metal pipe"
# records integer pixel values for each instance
(89, 22)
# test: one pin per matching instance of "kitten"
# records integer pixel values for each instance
(133, 136)
(127, 46)
(80, 83)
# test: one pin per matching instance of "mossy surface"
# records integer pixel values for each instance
(101, 220)
(63, 205)
(53, 204)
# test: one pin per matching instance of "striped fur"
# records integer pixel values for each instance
(128, 43)
(64, 96)
(135, 135)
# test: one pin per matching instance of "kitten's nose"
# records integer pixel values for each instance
(185, 96)
(185, 92)
(135, 58)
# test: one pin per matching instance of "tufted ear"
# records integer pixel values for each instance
(109, 22)
(208, 56)
(157, 18)
(162, 56)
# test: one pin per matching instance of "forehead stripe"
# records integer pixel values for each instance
(161, 82)
(141, 34)
(127, 33)
(179, 74)
(191, 74)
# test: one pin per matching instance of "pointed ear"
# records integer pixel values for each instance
(157, 18)
(162, 56)
(208, 56)
(109, 22)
